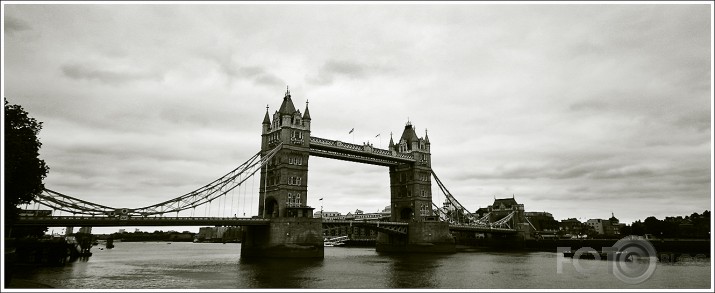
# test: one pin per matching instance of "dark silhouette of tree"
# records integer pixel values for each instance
(24, 170)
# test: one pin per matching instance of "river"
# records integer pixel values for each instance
(181, 265)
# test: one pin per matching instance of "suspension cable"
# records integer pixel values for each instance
(205, 194)
(253, 189)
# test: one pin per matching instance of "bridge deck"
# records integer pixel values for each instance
(482, 229)
(79, 221)
(66, 221)
(368, 154)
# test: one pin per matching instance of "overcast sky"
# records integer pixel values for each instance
(578, 110)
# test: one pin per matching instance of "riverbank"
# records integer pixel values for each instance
(661, 246)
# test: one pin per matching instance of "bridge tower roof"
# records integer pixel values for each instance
(287, 106)
(408, 134)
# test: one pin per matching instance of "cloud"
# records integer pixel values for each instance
(269, 80)
(333, 69)
(589, 105)
(15, 25)
(698, 120)
(109, 76)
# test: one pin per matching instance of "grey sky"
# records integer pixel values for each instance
(579, 110)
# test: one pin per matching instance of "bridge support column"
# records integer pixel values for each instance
(284, 238)
(425, 236)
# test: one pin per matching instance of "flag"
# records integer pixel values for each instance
(377, 135)
(351, 131)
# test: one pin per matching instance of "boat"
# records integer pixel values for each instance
(336, 241)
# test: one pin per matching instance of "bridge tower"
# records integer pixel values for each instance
(284, 180)
(410, 183)
(411, 200)
(293, 232)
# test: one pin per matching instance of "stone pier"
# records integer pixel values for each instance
(284, 238)
(426, 236)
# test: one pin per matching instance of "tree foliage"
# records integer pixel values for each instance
(24, 170)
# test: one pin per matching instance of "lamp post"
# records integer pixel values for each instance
(321, 207)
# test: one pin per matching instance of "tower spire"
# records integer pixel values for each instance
(266, 119)
(306, 114)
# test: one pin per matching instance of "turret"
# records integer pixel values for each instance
(391, 146)
(266, 122)
(306, 116)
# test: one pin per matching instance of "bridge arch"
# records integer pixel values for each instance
(406, 214)
(272, 207)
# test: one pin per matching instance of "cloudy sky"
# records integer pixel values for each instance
(578, 110)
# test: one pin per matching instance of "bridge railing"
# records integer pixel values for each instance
(100, 218)
(360, 148)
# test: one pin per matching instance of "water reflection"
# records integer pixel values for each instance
(277, 273)
(413, 270)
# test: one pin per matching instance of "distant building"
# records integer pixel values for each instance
(216, 234)
(502, 207)
(597, 225)
(571, 226)
(481, 212)
(361, 216)
(386, 212)
(329, 215)
(606, 227)
(542, 221)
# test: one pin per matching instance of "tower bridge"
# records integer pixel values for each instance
(285, 226)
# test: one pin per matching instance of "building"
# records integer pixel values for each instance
(608, 227)
(572, 227)
(503, 207)
(359, 215)
(329, 215)
(219, 234)
(542, 221)
(386, 212)
(481, 212)
(597, 225)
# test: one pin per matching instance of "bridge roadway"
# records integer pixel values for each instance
(83, 221)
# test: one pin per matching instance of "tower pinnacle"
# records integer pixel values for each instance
(266, 118)
(306, 114)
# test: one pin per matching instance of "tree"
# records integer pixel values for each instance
(24, 170)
